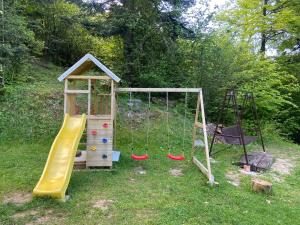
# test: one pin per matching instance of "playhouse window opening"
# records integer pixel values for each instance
(74, 84)
(101, 97)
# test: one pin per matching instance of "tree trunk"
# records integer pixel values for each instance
(128, 45)
(263, 33)
(129, 70)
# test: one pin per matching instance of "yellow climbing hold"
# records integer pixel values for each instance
(93, 148)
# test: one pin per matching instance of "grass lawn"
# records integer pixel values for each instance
(124, 196)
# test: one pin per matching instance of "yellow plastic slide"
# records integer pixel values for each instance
(57, 172)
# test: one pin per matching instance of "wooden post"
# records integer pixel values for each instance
(65, 96)
(261, 186)
(89, 97)
(112, 100)
(210, 177)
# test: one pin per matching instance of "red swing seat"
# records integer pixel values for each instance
(139, 157)
(176, 157)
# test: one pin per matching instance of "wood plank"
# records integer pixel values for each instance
(89, 97)
(99, 117)
(200, 166)
(99, 147)
(112, 100)
(95, 158)
(210, 176)
(76, 91)
(194, 90)
(65, 96)
(82, 77)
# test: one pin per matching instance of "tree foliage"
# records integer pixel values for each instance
(151, 43)
(265, 22)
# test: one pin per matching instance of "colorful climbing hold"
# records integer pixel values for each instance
(93, 148)
(104, 140)
(105, 125)
(94, 132)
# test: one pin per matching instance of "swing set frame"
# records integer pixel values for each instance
(204, 167)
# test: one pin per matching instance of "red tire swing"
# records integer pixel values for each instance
(143, 156)
(170, 155)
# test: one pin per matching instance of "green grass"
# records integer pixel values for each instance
(152, 198)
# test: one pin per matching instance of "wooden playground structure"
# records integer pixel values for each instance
(95, 95)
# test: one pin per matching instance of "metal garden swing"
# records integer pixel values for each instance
(170, 155)
(143, 156)
(235, 134)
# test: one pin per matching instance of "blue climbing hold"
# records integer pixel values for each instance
(104, 140)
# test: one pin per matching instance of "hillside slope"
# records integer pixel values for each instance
(32, 110)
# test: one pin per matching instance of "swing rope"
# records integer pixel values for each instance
(184, 122)
(148, 121)
(134, 156)
(170, 155)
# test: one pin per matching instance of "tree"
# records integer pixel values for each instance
(20, 43)
(149, 30)
(272, 22)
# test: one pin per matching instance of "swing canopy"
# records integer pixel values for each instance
(233, 135)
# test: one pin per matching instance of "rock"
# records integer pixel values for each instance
(176, 172)
(139, 170)
(261, 186)
(199, 143)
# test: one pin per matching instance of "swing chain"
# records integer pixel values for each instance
(168, 126)
(184, 122)
(148, 121)
(131, 119)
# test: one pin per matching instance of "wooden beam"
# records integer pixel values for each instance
(210, 176)
(81, 77)
(65, 96)
(89, 97)
(194, 90)
(112, 100)
(77, 91)
(200, 166)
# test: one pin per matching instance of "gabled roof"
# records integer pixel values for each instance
(86, 63)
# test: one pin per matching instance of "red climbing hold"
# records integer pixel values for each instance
(94, 132)
(139, 157)
(105, 125)
(174, 157)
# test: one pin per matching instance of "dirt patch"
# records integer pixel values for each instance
(18, 198)
(144, 214)
(24, 214)
(41, 220)
(176, 172)
(103, 204)
(283, 166)
(233, 178)
(48, 217)
(139, 170)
